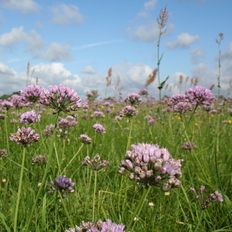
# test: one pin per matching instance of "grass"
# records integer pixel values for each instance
(27, 205)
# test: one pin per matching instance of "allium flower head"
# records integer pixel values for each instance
(18, 101)
(129, 111)
(189, 146)
(29, 117)
(200, 95)
(48, 131)
(96, 163)
(3, 153)
(100, 226)
(25, 136)
(133, 99)
(7, 104)
(63, 185)
(179, 103)
(99, 128)
(85, 139)
(151, 166)
(32, 93)
(39, 160)
(61, 98)
(143, 92)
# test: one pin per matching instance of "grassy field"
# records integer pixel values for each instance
(26, 201)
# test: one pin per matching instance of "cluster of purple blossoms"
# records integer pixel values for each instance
(179, 103)
(67, 122)
(18, 101)
(199, 95)
(3, 153)
(61, 98)
(97, 114)
(29, 117)
(143, 92)
(99, 128)
(7, 104)
(85, 139)
(151, 122)
(189, 145)
(150, 165)
(25, 136)
(63, 185)
(205, 202)
(96, 163)
(129, 111)
(32, 93)
(133, 99)
(39, 160)
(107, 226)
(230, 111)
(48, 131)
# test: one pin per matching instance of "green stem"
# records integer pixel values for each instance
(138, 208)
(129, 137)
(94, 194)
(19, 191)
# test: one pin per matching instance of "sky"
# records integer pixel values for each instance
(75, 42)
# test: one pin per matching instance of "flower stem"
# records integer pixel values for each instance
(19, 190)
(94, 194)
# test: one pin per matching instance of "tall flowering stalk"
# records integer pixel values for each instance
(24, 136)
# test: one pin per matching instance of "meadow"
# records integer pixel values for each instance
(150, 165)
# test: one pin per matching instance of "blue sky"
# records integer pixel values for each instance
(75, 43)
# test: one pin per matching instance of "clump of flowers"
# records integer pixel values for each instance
(3, 153)
(97, 114)
(29, 117)
(143, 92)
(61, 98)
(7, 104)
(100, 226)
(99, 128)
(150, 165)
(207, 199)
(179, 103)
(40, 160)
(189, 145)
(25, 136)
(129, 111)
(85, 139)
(62, 185)
(32, 93)
(151, 122)
(96, 163)
(199, 95)
(133, 99)
(48, 131)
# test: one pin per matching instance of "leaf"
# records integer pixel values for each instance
(162, 84)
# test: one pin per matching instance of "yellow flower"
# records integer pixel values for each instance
(211, 115)
(39, 184)
(229, 121)
(103, 107)
(4, 180)
(196, 124)
(138, 121)
(167, 193)
(113, 108)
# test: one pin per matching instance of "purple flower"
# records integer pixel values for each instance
(29, 117)
(151, 166)
(151, 122)
(96, 163)
(48, 131)
(32, 93)
(18, 101)
(179, 103)
(133, 99)
(143, 92)
(85, 139)
(99, 128)
(61, 98)
(199, 95)
(189, 146)
(3, 153)
(67, 122)
(129, 111)
(25, 136)
(39, 160)
(7, 104)
(98, 114)
(62, 185)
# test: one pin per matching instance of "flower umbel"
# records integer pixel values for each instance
(96, 163)
(25, 136)
(85, 139)
(39, 160)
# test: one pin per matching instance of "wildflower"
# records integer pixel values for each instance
(67, 122)
(143, 92)
(62, 185)
(3, 180)
(133, 99)
(61, 98)
(39, 160)
(18, 101)
(151, 122)
(179, 103)
(99, 128)
(196, 124)
(97, 114)
(48, 131)
(7, 104)
(32, 93)
(189, 146)
(151, 166)
(29, 117)
(96, 163)
(100, 226)
(85, 139)
(25, 136)
(206, 201)
(129, 111)
(3, 153)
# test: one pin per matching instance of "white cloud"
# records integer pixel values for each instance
(89, 69)
(148, 6)
(227, 54)
(33, 40)
(184, 40)
(25, 6)
(196, 54)
(66, 14)
(58, 52)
